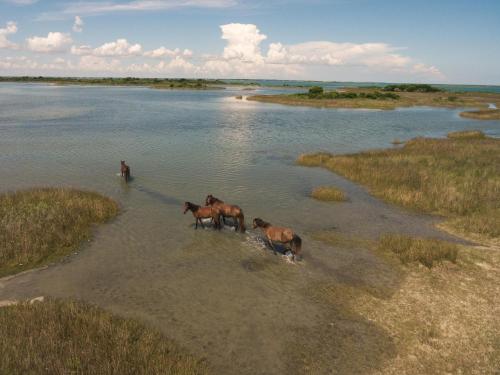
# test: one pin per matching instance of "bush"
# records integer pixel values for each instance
(316, 90)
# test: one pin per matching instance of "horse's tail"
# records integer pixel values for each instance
(296, 245)
(241, 222)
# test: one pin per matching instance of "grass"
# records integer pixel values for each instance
(68, 337)
(425, 251)
(457, 177)
(484, 114)
(372, 98)
(328, 194)
(467, 134)
(40, 225)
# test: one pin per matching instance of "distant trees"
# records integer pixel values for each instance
(317, 92)
(412, 87)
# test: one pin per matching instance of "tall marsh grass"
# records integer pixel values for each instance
(457, 177)
(67, 337)
(39, 225)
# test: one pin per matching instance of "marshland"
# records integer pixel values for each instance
(400, 249)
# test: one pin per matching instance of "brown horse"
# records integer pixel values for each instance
(125, 170)
(227, 210)
(200, 212)
(285, 236)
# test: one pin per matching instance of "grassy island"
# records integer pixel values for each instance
(41, 225)
(457, 177)
(389, 97)
(67, 337)
(156, 83)
(328, 194)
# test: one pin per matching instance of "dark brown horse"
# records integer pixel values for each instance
(284, 236)
(200, 213)
(125, 170)
(227, 210)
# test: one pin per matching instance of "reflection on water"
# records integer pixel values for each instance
(223, 295)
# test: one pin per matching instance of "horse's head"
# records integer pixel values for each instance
(209, 200)
(122, 162)
(187, 206)
(257, 223)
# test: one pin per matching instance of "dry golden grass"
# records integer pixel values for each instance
(484, 114)
(67, 337)
(423, 250)
(458, 178)
(467, 134)
(442, 320)
(328, 194)
(40, 225)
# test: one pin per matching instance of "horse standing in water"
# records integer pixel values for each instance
(200, 213)
(125, 170)
(227, 210)
(285, 236)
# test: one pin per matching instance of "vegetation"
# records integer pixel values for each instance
(457, 177)
(159, 83)
(412, 87)
(374, 98)
(67, 337)
(40, 225)
(425, 251)
(328, 194)
(484, 114)
(467, 134)
(317, 92)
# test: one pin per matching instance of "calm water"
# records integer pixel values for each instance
(224, 296)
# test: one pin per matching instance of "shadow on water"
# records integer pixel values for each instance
(160, 197)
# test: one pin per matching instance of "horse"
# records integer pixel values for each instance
(285, 236)
(200, 212)
(125, 170)
(227, 210)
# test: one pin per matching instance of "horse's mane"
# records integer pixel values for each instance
(192, 205)
(263, 224)
(214, 200)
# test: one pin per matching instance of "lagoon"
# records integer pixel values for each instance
(223, 296)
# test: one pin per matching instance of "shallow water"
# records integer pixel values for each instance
(224, 296)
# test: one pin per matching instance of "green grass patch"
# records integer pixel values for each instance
(457, 177)
(67, 337)
(328, 194)
(425, 251)
(40, 225)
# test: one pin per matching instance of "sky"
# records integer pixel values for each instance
(439, 41)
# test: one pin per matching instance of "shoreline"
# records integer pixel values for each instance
(479, 103)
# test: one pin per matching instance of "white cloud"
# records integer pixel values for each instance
(102, 7)
(165, 52)
(242, 56)
(78, 25)
(243, 42)
(21, 2)
(53, 42)
(427, 70)
(81, 50)
(95, 63)
(10, 28)
(121, 47)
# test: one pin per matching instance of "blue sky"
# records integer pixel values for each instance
(343, 40)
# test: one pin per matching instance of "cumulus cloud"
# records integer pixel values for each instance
(53, 42)
(95, 63)
(330, 53)
(121, 47)
(78, 24)
(243, 42)
(21, 2)
(10, 28)
(165, 52)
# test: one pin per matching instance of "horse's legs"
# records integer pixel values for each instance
(196, 224)
(201, 222)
